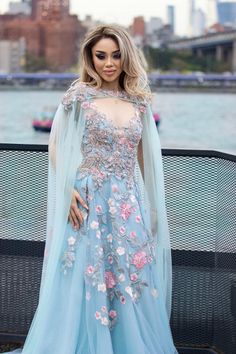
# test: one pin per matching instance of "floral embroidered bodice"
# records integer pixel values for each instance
(120, 245)
(108, 149)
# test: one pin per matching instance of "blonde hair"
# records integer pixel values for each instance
(133, 78)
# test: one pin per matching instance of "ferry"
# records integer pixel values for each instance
(44, 120)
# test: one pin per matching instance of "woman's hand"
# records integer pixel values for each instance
(75, 214)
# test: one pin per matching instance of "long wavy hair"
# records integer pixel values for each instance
(133, 78)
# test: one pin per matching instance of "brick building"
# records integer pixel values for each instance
(138, 26)
(50, 32)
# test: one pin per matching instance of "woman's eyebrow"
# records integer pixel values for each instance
(100, 51)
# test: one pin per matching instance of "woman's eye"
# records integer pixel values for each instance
(99, 56)
(117, 56)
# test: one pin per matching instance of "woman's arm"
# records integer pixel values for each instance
(52, 153)
(140, 157)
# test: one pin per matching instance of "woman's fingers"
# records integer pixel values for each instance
(76, 215)
(80, 200)
(73, 219)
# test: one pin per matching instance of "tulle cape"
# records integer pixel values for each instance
(64, 158)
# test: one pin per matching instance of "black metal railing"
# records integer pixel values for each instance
(201, 206)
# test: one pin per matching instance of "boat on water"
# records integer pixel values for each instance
(157, 118)
(44, 119)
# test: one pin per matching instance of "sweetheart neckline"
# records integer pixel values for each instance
(135, 117)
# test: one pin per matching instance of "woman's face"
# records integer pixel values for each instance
(107, 62)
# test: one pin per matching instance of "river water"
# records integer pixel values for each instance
(188, 120)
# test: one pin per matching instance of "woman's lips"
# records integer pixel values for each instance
(109, 72)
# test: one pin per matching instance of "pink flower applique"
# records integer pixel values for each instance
(138, 218)
(125, 210)
(103, 309)
(114, 188)
(90, 269)
(132, 234)
(122, 299)
(85, 104)
(98, 209)
(139, 259)
(110, 279)
(100, 174)
(98, 315)
(110, 259)
(133, 276)
(112, 313)
(142, 108)
(122, 230)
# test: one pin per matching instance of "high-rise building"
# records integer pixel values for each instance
(153, 25)
(227, 13)
(199, 22)
(12, 55)
(211, 12)
(171, 17)
(138, 27)
(50, 9)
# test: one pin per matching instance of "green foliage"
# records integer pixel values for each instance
(168, 59)
(34, 63)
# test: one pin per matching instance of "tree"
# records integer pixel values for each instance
(34, 63)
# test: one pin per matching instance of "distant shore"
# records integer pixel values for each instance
(173, 89)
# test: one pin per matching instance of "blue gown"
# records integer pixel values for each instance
(107, 294)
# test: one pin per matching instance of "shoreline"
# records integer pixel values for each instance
(164, 89)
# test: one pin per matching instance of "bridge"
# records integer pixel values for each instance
(221, 45)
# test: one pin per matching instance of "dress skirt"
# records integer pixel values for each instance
(107, 297)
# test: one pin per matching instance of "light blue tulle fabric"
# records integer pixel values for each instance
(105, 288)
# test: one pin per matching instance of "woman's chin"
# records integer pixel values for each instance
(110, 79)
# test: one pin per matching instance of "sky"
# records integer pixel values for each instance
(122, 11)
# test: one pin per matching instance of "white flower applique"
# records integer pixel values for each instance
(107, 318)
(68, 257)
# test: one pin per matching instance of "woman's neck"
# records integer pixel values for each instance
(111, 86)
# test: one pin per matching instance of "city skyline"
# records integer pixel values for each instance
(149, 8)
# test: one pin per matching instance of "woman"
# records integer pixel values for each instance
(106, 280)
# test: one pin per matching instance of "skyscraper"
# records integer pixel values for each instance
(227, 13)
(171, 17)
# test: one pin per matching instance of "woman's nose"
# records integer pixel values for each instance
(109, 61)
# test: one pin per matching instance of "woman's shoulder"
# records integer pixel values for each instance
(76, 92)
(143, 102)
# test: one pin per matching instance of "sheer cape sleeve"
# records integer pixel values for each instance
(64, 158)
(151, 183)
